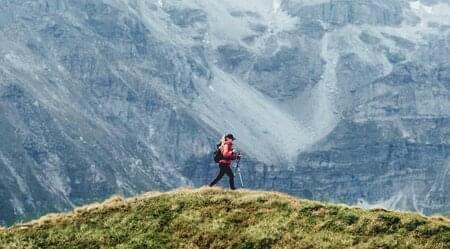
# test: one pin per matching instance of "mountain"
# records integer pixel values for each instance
(213, 218)
(344, 101)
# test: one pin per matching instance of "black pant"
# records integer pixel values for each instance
(224, 169)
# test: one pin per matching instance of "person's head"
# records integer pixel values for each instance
(229, 137)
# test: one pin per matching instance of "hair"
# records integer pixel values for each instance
(221, 142)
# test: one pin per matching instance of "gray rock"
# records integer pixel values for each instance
(338, 12)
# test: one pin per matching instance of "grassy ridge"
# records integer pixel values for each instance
(214, 218)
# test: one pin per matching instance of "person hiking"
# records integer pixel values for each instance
(228, 155)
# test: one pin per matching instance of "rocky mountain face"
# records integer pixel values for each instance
(345, 101)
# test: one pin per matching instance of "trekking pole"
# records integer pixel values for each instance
(238, 170)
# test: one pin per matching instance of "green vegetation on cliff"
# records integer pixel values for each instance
(215, 218)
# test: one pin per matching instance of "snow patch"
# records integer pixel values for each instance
(417, 6)
(399, 201)
(17, 205)
(438, 13)
(225, 28)
(275, 6)
(309, 2)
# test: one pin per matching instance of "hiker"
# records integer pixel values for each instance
(225, 147)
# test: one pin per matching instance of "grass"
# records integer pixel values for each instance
(215, 218)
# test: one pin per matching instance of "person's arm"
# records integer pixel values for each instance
(227, 153)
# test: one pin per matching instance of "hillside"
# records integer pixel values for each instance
(214, 218)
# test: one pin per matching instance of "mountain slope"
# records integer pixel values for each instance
(214, 218)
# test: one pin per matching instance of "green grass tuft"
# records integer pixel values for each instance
(215, 218)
